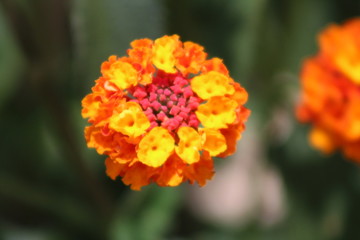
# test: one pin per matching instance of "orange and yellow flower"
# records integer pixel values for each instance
(161, 113)
(330, 97)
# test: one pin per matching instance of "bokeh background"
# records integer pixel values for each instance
(275, 187)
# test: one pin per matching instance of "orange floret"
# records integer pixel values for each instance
(215, 64)
(161, 113)
(191, 59)
(342, 45)
(213, 141)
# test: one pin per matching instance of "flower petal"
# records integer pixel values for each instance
(90, 106)
(131, 121)
(212, 84)
(123, 151)
(189, 145)
(217, 112)
(141, 55)
(113, 168)
(171, 173)
(191, 59)
(138, 175)
(240, 95)
(200, 171)
(121, 73)
(320, 139)
(156, 147)
(215, 64)
(95, 139)
(341, 44)
(164, 50)
(214, 141)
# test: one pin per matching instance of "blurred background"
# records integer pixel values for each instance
(275, 187)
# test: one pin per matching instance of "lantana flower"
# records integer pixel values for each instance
(330, 97)
(162, 112)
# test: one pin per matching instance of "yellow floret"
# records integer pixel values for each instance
(212, 84)
(122, 74)
(164, 49)
(156, 147)
(217, 112)
(189, 145)
(131, 121)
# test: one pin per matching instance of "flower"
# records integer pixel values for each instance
(330, 97)
(162, 112)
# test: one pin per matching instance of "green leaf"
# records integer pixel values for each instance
(146, 215)
(11, 61)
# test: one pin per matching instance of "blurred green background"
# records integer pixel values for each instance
(275, 188)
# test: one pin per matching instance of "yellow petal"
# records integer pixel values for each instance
(213, 141)
(122, 74)
(131, 121)
(189, 145)
(212, 84)
(164, 49)
(156, 147)
(217, 112)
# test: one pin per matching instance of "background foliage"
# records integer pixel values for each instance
(53, 187)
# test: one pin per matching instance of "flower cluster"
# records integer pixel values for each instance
(330, 97)
(161, 113)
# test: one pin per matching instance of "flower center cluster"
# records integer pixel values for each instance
(168, 101)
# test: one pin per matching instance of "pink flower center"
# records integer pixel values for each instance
(168, 101)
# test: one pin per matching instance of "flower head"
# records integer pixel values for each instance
(161, 113)
(330, 97)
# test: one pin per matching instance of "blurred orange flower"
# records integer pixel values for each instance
(161, 113)
(330, 97)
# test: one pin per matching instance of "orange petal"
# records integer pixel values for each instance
(214, 141)
(320, 139)
(191, 58)
(171, 173)
(113, 168)
(341, 44)
(215, 64)
(200, 171)
(138, 175)
(95, 139)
